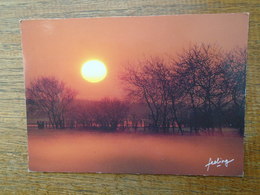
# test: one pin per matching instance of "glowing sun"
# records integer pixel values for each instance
(94, 71)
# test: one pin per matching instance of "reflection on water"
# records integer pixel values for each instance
(85, 151)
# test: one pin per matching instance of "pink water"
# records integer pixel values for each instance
(84, 151)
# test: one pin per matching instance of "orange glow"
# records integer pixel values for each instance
(118, 41)
(94, 71)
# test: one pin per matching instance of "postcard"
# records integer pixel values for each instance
(138, 95)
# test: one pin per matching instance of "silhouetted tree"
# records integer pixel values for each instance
(153, 82)
(142, 85)
(199, 70)
(235, 78)
(52, 97)
(203, 88)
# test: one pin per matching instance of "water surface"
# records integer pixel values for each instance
(89, 151)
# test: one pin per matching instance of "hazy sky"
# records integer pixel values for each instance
(60, 47)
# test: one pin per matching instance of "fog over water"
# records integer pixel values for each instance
(89, 151)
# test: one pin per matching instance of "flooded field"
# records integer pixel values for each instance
(72, 150)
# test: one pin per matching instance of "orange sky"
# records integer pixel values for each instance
(60, 47)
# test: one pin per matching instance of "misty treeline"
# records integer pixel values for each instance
(51, 98)
(104, 114)
(202, 89)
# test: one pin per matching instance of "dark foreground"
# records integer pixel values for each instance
(83, 151)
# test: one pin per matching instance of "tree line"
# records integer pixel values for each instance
(51, 98)
(202, 89)
(105, 114)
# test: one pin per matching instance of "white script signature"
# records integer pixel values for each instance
(218, 162)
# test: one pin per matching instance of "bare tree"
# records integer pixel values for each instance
(235, 78)
(144, 86)
(200, 75)
(52, 97)
(176, 96)
(153, 82)
(214, 83)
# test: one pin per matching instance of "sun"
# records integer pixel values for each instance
(94, 71)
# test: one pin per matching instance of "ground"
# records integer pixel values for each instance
(75, 150)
